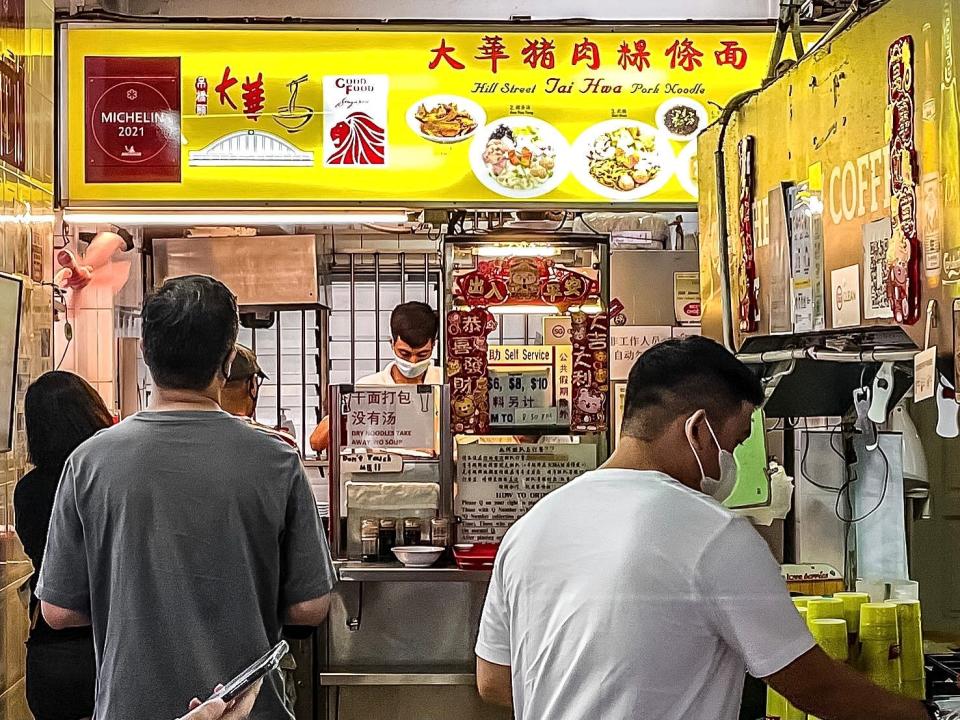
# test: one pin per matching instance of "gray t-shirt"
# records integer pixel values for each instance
(184, 536)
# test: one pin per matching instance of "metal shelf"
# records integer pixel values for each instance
(388, 572)
(382, 676)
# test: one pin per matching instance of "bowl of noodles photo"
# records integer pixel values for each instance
(622, 160)
(445, 118)
(520, 157)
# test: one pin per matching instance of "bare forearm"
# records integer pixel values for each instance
(848, 695)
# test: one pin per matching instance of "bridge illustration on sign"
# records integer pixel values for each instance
(251, 148)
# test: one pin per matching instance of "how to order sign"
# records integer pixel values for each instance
(498, 484)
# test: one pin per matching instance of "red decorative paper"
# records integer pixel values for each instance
(466, 361)
(749, 306)
(524, 281)
(904, 250)
(590, 381)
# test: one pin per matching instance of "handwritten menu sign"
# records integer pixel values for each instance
(498, 484)
(389, 418)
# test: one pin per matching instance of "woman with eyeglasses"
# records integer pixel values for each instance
(61, 411)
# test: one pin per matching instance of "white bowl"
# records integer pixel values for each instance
(418, 556)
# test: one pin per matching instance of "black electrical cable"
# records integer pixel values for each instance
(806, 452)
(883, 494)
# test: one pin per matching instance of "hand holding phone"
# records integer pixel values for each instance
(265, 665)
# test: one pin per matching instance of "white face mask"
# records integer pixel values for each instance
(412, 370)
(718, 489)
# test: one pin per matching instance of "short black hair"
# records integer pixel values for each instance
(678, 377)
(189, 328)
(61, 410)
(415, 323)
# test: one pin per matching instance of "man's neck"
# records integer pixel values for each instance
(400, 379)
(168, 399)
(632, 454)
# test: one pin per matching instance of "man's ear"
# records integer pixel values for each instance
(228, 364)
(254, 387)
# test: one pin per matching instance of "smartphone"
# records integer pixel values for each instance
(245, 679)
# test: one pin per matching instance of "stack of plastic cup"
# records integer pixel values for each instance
(776, 704)
(800, 601)
(911, 649)
(880, 645)
(851, 613)
(824, 609)
(803, 613)
(831, 635)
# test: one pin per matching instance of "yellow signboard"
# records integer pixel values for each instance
(593, 117)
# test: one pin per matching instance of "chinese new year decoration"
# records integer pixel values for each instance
(526, 281)
(903, 252)
(749, 306)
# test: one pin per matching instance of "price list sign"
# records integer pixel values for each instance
(498, 484)
(514, 396)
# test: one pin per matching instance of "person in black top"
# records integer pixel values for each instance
(61, 411)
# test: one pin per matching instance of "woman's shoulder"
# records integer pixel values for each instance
(34, 483)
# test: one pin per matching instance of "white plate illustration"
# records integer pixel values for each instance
(623, 160)
(443, 115)
(687, 169)
(682, 119)
(520, 157)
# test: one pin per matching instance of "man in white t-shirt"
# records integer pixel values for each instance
(633, 593)
(414, 327)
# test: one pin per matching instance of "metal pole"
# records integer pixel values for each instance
(376, 308)
(403, 277)
(303, 382)
(279, 367)
(353, 318)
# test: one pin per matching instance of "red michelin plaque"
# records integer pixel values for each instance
(132, 108)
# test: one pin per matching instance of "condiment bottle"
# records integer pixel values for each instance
(412, 531)
(369, 540)
(388, 538)
(440, 532)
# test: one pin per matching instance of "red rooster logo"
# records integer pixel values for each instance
(358, 141)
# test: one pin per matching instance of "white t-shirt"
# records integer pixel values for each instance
(434, 376)
(627, 595)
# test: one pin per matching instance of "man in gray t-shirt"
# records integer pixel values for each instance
(185, 536)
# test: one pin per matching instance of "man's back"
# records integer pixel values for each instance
(608, 603)
(197, 532)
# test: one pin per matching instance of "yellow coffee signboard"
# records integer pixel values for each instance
(586, 118)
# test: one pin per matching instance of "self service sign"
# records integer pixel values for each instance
(592, 117)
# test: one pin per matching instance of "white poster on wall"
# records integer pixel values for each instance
(876, 237)
(845, 291)
(390, 417)
(498, 484)
(11, 293)
(628, 342)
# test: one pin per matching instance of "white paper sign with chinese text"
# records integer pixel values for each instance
(389, 417)
(629, 342)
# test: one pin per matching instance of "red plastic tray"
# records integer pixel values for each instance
(477, 556)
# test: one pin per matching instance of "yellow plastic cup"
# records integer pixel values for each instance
(915, 689)
(831, 635)
(800, 601)
(878, 621)
(851, 608)
(795, 714)
(776, 704)
(911, 640)
(880, 645)
(824, 609)
(803, 613)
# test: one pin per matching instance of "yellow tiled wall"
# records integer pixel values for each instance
(27, 193)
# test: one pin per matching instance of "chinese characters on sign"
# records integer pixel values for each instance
(629, 342)
(391, 418)
(467, 370)
(591, 376)
(498, 484)
(540, 52)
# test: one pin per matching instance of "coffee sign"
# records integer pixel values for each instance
(132, 108)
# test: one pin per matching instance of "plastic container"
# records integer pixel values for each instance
(824, 609)
(880, 645)
(475, 556)
(911, 646)
(831, 635)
